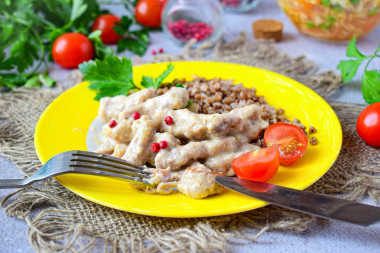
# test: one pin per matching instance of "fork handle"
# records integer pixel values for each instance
(12, 183)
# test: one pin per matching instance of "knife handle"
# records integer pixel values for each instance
(307, 202)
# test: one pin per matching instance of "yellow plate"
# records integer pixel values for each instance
(64, 124)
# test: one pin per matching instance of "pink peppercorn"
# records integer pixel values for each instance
(184, 30)
(163, 144)
(231, 3)
(168, 120)
(112, 123)
(153, 52)
(160, 50)
(136, 115)
(155, 147)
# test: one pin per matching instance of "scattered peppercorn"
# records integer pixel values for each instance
(163, 144)
(153, 52)
(155, 147)
(136, 115)
(160, 50)
(313, 141)
(112, 123)
(168, 120)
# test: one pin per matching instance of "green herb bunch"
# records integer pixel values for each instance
(28, 29)
(371, 78)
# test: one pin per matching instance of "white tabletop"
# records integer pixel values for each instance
(320, 237)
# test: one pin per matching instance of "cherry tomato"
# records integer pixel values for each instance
(368, 124)
(148, 12)
(106, 23)
(259, 165)
(71, 49)
(291, 140)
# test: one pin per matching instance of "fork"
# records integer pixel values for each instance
(83, 162)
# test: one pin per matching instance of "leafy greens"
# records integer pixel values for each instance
(114, 76)
(371, 78)
(28, 29)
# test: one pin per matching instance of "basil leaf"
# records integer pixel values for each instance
(371, 86)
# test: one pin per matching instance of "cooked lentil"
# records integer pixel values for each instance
(221, 96)
(313, 141)
(312, 130)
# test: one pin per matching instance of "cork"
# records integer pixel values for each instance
(267, 29)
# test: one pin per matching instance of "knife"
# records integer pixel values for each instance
(307, 202)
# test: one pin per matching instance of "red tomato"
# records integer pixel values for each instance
(148, 12)
(291, 140)
(71, 49)
(368, 124)
(259, 165)
(106, 23)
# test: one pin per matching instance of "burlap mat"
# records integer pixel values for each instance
(60, 221)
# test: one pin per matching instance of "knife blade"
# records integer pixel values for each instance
(307, 202)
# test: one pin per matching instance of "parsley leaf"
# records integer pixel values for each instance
(110, 77)
(33, 81)
(352, 50)
(135, 41)
(348, 69)
(371, 86)
(371, 78)
(114, 76)
(148, 81)
(79, 7)
(101, 51)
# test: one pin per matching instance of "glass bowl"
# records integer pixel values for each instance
(239, 5)
(183, 20)
(333, 19)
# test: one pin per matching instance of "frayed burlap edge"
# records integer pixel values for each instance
(68, 223)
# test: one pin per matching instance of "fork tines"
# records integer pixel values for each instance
(109, 166)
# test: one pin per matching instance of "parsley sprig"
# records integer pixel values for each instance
(371, 78)
(114, 76)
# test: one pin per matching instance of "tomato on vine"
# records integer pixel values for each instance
(148, 12)
(106, 23)
(71, 49)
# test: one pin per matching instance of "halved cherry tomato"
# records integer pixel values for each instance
(71, 49)
(259, 165)
(368, 124)
(148, 12)
(106, 23)
(291, 140)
